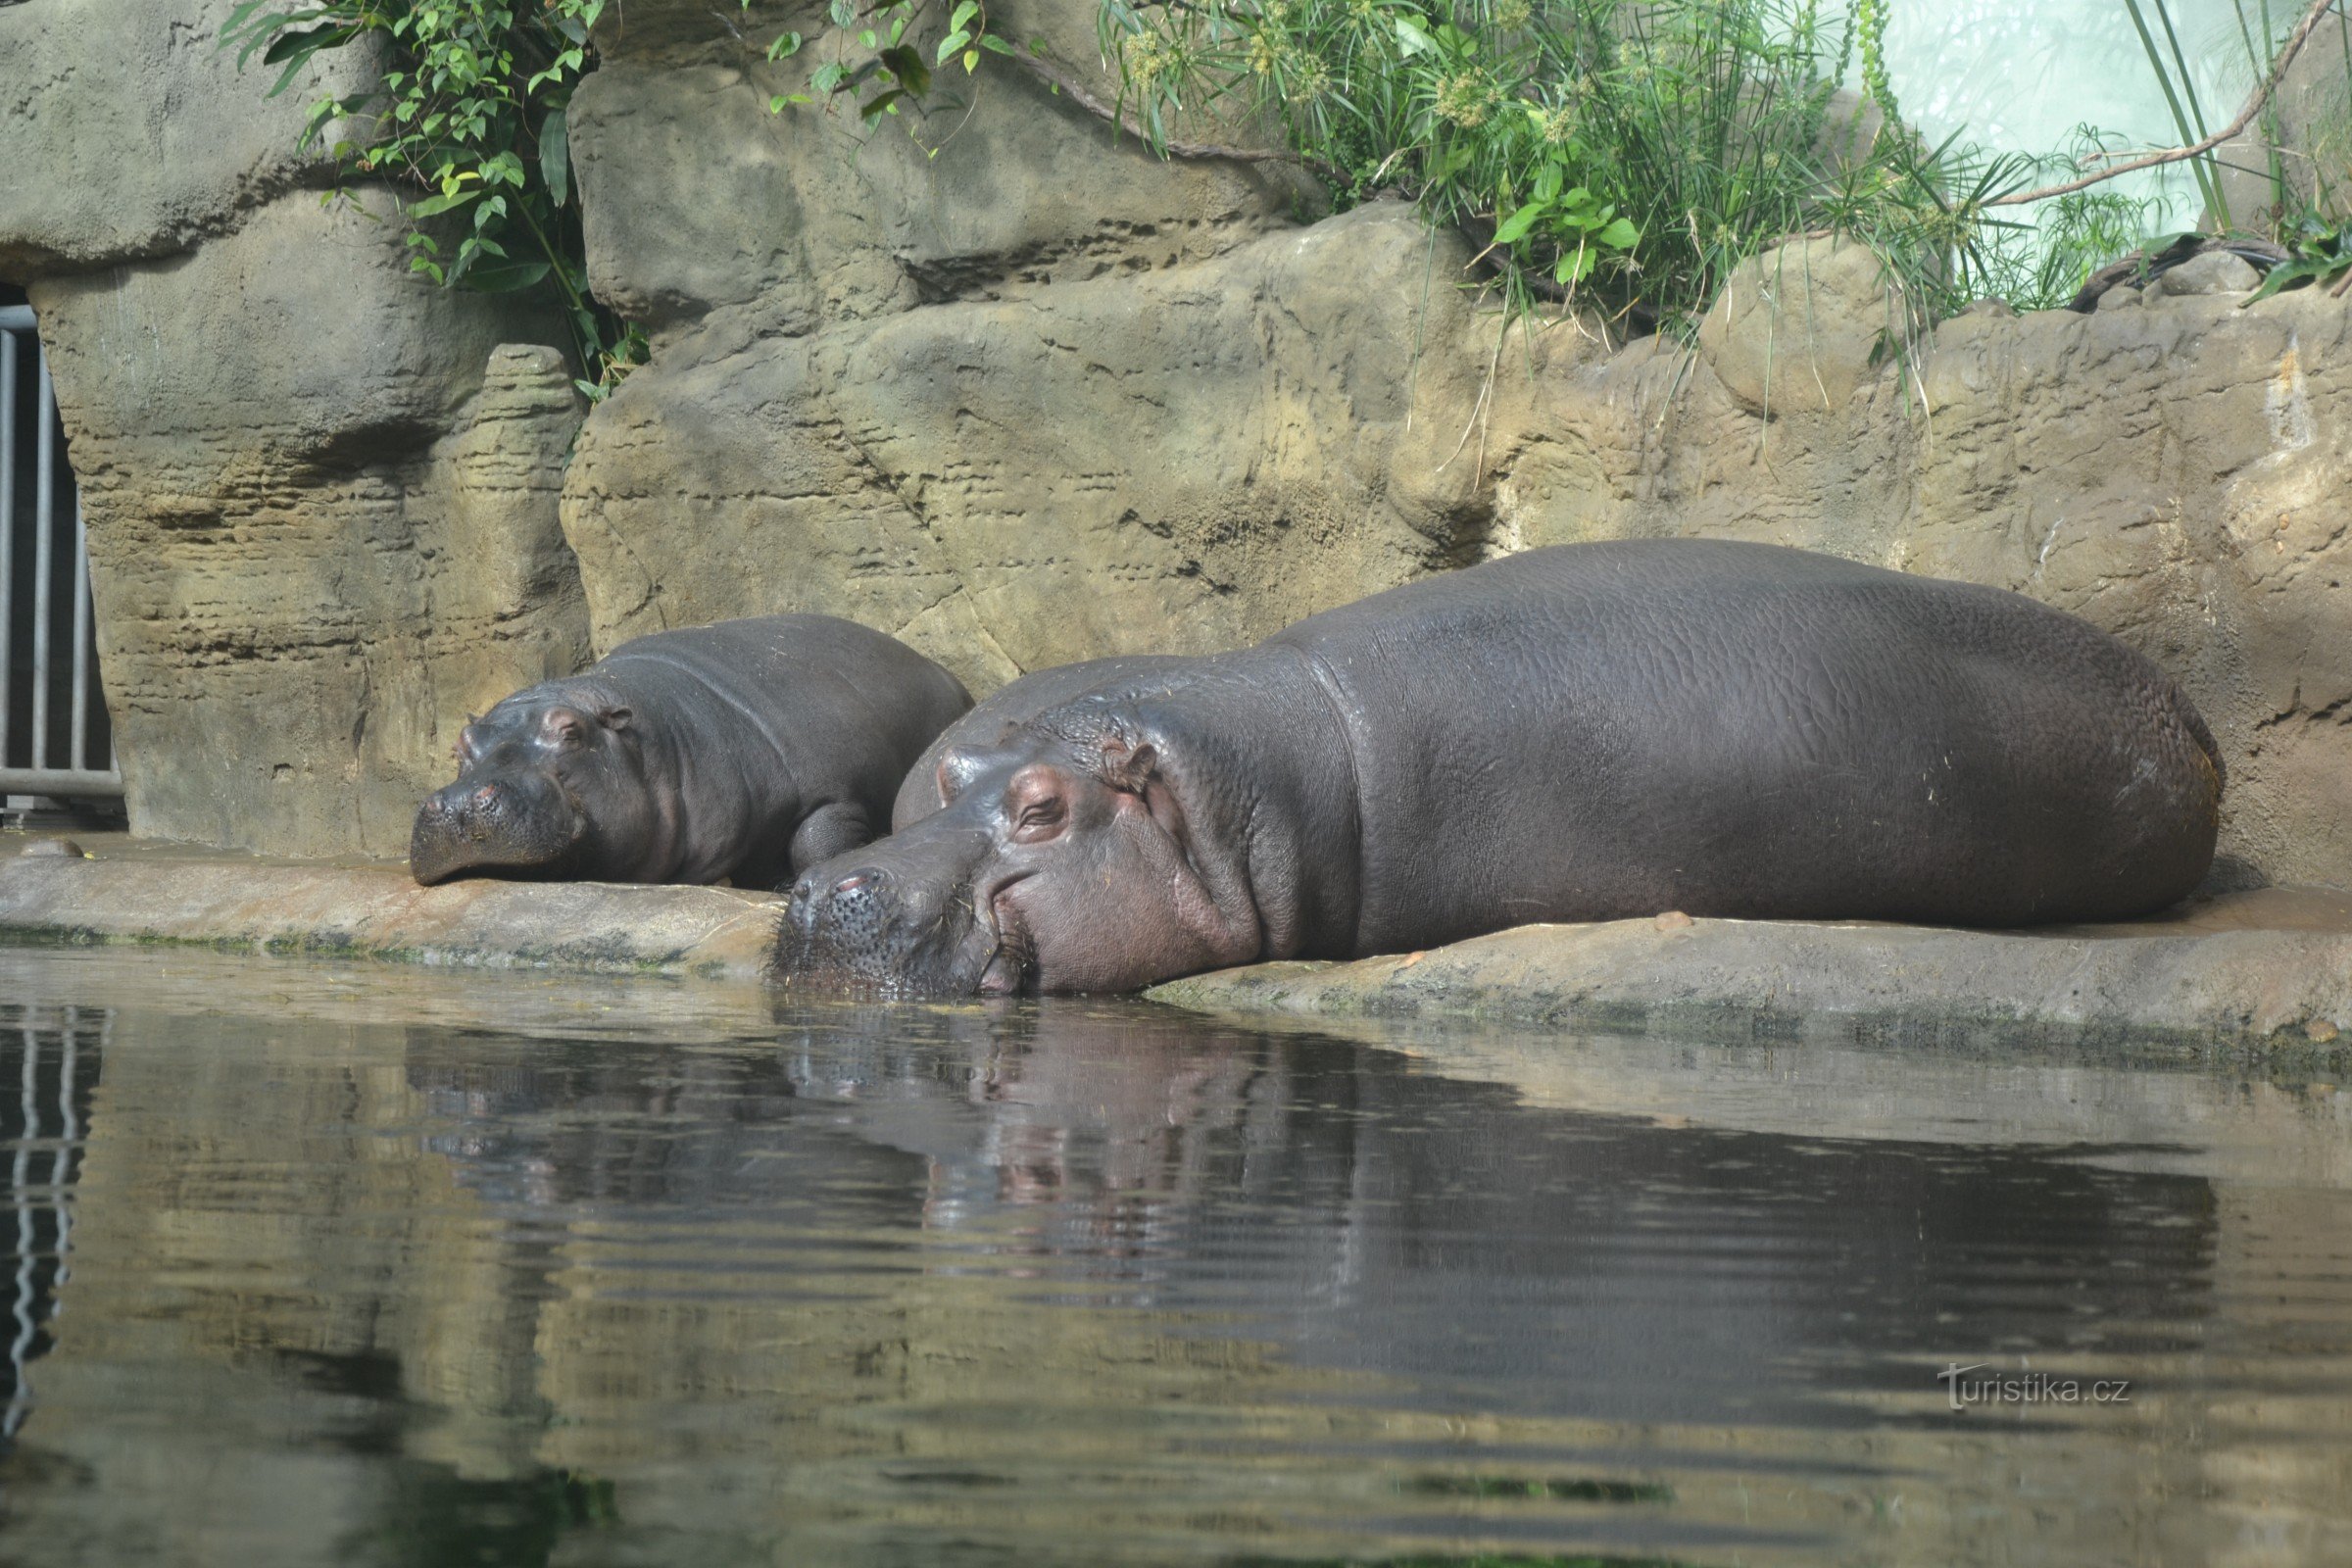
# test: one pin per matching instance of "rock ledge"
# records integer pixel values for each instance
(376, 911)
(2269, 970)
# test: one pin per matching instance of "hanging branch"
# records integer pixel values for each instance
(2175, 155)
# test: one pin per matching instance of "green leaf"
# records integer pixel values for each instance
(506, 280)
(843, 11)
(1412, 39)
(989, 40)
(2286, 275)
(1514, 227)
(963, 13)
(262, 32)
(907, 66)
(874, 108)
(555, 156)
(301, 43)
(972, 60)
(1620, 236)
(785, 47)
(950, 43)
(435, 206)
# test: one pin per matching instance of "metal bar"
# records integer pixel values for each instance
(45, 522)
(80, 752)
(15, 317)
(90, 781)
(8, 521)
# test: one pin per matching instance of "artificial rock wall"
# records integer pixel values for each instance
(1043, 396)
(320, 496)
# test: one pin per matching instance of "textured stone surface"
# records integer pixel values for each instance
(130, 133)
(1042, 397)
(697, 197)
(1175, 460)
(1801, 327)
(2271, 969)
(377, 911)
(322, 511)
(2214, 273)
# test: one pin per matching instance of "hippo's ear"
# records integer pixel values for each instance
(615, 717)
(470, 739)
(1127, 764)
(958, 766)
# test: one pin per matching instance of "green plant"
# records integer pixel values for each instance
(2319, 250)
(874, 46)
(1632, 152)
(2043, 266)
(468, 129)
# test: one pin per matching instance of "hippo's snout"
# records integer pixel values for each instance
(843, 924)
(508, 826)
(854, 924)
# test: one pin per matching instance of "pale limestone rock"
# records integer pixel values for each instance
(321, 511)
(1174, 460)
(1801, 326)
(2213, 272)
(130, 133)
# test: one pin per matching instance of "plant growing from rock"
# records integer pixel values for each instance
(1628, 153)
(467, 127)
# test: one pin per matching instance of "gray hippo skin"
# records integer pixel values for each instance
(991, 724)
(749, 749)
(1580, 733)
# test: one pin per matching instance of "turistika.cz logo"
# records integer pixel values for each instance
(2028, 1388)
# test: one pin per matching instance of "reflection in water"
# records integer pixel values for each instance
(50, 1057)
(620, 1282)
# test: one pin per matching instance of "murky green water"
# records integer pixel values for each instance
(316, 1264)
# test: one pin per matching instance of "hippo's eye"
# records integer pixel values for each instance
(1039, 819)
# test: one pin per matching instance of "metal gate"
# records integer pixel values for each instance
(55, 738)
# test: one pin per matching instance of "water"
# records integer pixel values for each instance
(362, 1265)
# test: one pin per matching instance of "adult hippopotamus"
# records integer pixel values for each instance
(748, 749)
(1578, 733)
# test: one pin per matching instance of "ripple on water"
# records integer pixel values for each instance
(316, 1263)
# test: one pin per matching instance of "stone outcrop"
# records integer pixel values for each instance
(2259, 975)
(1036, 395)
(320, 495)
(131, 133)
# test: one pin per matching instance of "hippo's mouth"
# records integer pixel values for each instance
(1011, 964)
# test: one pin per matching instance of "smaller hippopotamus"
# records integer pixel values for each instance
(991, 724)
(747, 751)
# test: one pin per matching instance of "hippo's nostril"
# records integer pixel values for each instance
(486, 797)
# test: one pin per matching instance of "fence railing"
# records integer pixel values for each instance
(55, 737)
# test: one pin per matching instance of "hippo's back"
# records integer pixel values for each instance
(848, 707)
(1594, 731)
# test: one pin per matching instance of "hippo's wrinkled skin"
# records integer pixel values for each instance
(750, 750)
(1577, 733)
(997, 718)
